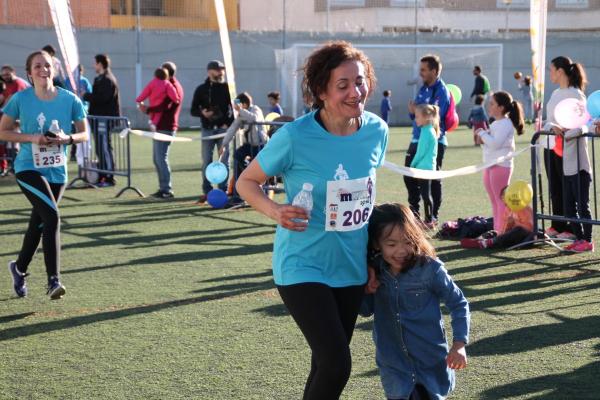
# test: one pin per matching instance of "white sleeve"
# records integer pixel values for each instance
(498, 136)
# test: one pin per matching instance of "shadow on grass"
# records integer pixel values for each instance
(581, 383)
(275, 310)
(242, 250)
(14, 317)
(529, 338)
(68, 323)
(369, 374)
(263, 274)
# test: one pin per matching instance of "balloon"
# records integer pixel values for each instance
(518, 195)
(216, 172)
(217, 198)
(271, 116)
(571, 113)
(593, 104)
(455, 92)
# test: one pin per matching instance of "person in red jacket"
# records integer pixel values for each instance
(168, 124)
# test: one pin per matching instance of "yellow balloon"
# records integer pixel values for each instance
(518, 195)
(271, 116)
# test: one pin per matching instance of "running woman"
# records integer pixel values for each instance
(40, 166)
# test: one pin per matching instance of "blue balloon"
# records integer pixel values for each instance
(216, 172)
(593, 104)
(217, 198)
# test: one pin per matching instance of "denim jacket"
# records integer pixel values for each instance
(477, 114)
(409, 333)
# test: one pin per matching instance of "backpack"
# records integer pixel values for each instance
(451, 118)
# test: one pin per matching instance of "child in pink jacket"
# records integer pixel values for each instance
(157, 91)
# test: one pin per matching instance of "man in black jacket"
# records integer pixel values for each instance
(212, 103)
(104, 101)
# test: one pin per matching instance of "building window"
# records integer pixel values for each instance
(151, 7)
(512, 3)
(571, 3)
(407, 3)
(346, 3)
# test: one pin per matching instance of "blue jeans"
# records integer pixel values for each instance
(160, 156)
(208, 147)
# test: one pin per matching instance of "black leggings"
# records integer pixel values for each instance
(418, 393)
(326, 316)
(44, 221)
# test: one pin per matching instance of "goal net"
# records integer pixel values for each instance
(396, 68)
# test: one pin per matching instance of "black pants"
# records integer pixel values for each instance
(239, 158)
(577, 203)
(412, 184)
(44, 222)
(326, 316)
(512, 237)
(418, 393)
(554, 173)
(104, 152)
(425, 190)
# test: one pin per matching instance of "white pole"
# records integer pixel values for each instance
(138, 45)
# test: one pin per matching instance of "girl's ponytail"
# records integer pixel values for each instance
(516, 116)
(577, 76)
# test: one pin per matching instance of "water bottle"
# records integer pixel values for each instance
(304, 199)
(54, 129)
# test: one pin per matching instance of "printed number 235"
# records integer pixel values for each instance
(356, 217)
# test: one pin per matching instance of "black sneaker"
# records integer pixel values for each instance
(157, 194)
(166, 195)
(202, 199)
(18, 279)
(55, 289)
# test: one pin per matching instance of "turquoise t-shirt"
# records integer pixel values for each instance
(35, 117)
(303, 151)
(426, 155)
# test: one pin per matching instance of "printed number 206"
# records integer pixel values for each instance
(356, 217)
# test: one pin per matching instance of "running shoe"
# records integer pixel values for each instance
(55, 289)
(18, 278)
(582, 246)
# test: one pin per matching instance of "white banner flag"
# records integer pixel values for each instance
(537, 30)
(60, 10)
(226, 47)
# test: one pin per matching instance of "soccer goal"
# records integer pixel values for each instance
(396, 67)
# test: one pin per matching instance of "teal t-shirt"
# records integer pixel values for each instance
(426, 155)
(303, 151)
(35, 117)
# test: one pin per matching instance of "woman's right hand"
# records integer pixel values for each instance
(40, 140)
(284, 213)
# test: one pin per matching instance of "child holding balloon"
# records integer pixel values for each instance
(516, 223)
(499, 141)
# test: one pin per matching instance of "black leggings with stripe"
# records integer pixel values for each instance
(44, 222)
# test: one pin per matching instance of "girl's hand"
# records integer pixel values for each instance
(284, 213)
(557, 131)
(457, 356)
(372, 283)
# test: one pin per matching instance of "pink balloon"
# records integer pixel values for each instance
(571, 113)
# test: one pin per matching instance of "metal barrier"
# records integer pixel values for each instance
(108, 153)
(539, 214)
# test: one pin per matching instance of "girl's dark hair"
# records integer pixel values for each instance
(527, 80)
(161, 73)
(574, 71)
(29, 61)
(318, 67)
(245, 98)
(389, 215)
(513, 108)
(274, 95)
(103, 59)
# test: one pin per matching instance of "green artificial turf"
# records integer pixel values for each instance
(171, 300)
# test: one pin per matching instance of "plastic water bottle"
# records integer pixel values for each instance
(304, 199)
(54, 129)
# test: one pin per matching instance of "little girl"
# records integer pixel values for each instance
(158, 90)
(428, 119)
(499, 141)
(411, 349)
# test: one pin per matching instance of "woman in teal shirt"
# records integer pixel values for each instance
(40, 166)
(319, 266)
